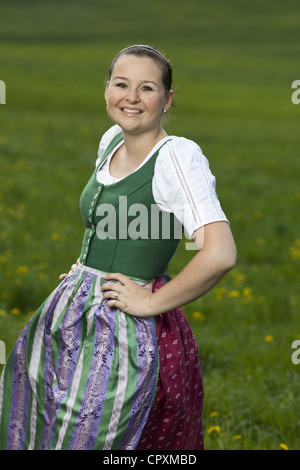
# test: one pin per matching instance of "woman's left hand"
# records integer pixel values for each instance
(128, 296)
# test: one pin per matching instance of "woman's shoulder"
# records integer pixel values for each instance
(181, 142)
(184, 151)
(106, 139)
(108, 136)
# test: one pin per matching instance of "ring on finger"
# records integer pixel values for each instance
(117, 295)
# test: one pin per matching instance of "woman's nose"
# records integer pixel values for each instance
(133, 95)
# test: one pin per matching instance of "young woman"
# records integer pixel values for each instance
(109, 360)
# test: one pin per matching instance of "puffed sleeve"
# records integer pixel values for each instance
(183, 184)
(105, 141)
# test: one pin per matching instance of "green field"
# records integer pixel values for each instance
(234, 64)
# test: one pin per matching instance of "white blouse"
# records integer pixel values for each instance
(182, 181)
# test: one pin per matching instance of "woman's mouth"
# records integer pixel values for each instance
(131, 111)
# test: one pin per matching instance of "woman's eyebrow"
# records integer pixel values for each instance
(142, 81)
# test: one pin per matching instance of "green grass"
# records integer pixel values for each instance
(234, 63)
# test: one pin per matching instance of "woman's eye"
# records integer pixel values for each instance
(146, 88)
(121, 85)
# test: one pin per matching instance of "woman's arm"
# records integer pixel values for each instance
(204, 271)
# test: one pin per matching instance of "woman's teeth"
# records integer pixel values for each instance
(131, 111)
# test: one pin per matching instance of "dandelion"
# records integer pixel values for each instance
(283, 446)
(199, 315)
(237, 437)
(213, 414)
(234, 293)
(294, 252)
(247, 295)
(15, 311)
(213, 429)
(268, 338)
(55, 236)
(219, 292)
(3, 313)
(239, 276)
(247, 292)
(22, 270)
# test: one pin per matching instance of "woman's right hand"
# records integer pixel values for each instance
(72, 270)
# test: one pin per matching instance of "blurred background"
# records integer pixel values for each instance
(234, 64)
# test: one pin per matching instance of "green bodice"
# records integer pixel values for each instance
(126, 231)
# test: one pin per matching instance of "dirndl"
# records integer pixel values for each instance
(85, 376)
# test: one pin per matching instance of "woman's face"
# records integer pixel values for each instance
(135, 95)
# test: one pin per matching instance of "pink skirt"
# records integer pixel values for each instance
(175, 419)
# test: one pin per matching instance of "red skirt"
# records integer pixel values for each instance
(175, 420)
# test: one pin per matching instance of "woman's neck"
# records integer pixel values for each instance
(137, 147)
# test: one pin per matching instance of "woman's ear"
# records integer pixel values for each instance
(106, 91)
(169, 100)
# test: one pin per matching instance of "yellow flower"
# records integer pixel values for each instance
(22, 270)
(199, 315)
(295, 252)
(237, 437)
(283, 446)
(239, 276)
(3, 313)
(213, 414)
(268, 338)
(247, 292)
(15, 311)
(233, 293)
(213, 429)
(247, 295)
(219, 292)
(55, 236)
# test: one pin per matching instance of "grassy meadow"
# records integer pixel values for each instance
(234, 64)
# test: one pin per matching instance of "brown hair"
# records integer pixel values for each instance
(152, 53)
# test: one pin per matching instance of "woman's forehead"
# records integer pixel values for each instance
(133, 66)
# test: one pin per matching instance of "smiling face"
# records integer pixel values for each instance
(136, 96)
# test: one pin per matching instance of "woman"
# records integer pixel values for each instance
(109, 360)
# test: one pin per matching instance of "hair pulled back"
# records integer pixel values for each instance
(152, 53)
